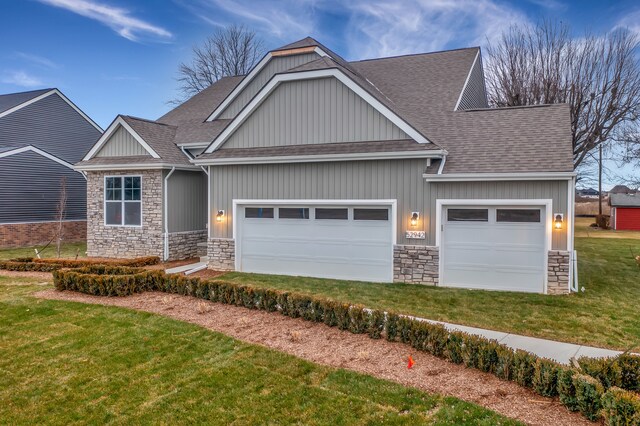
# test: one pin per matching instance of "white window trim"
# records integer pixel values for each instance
(308, 75)
(119, 121)
(122, 202)
(546, 203)
(393, 218)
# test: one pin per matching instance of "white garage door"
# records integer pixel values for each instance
(494, 247)
(326, 241)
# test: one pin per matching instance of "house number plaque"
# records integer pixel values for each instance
(415, 235)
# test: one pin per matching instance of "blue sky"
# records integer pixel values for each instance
(117, 56)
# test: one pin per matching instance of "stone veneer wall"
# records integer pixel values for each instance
(222, 254)
(121, 241)
(558, 272)
(31, 234)
(416, 264)
(184, 245)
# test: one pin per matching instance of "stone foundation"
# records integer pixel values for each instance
(416, 264)
(184, 245)
(39, 233)
(125, 241)
(558, 272)
(222, 254)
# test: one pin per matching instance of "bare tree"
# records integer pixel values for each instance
(230, 51)
(599, 77)
(61, 212)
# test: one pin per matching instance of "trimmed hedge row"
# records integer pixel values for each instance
(50, 265)
(621, 372)
(577, 391)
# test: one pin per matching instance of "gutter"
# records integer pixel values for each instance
(467, 177)
(166, 213)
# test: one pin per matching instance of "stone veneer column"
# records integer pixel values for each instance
(222, 254)
(125, 241)
(416, 264)
(558, 272)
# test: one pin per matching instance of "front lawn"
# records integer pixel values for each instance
(606, 314)
(70, 363)
(68, 250)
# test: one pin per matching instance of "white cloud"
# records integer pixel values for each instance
(630, 21)
(21, 78)
(118, 19)
(549, 4)
(38, 60)
(395, 27)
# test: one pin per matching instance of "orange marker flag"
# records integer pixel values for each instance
(410, 364)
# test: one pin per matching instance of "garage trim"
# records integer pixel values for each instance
(547, 203)
(393, 203)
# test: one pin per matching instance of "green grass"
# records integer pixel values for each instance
(68, 250)
(583, 229)
(68, 363)
(606, 314)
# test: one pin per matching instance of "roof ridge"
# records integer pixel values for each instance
(415, 54)
(513, 107)
(30, 91)
(147, 120)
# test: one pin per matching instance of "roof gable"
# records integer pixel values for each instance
(114, 130)
(121, 143)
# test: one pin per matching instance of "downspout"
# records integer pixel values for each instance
(442, 163)
(573, 267)
(166, 213)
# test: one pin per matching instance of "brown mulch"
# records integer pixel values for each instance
(330, 346)
(207, 273)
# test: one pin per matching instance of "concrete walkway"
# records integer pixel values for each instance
(559, 351)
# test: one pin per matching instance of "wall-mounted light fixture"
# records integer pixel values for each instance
(414, 218)
(558, 218)
(220, 216)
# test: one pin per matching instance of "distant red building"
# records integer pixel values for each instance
(625, 212)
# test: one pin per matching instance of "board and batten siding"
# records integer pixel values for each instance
(30, 189)
(121, 144)
(187, 201)
(383, 179)
(276, 65)
(314, 111)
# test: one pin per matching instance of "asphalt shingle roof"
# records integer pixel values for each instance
(624, 200)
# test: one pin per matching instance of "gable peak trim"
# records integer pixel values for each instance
(39, 152)
(118, 122)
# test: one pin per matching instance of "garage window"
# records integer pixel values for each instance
(258, 212)
(468, 215)
(293, 213)
(329, 213)
(518, 215)
(371, 214)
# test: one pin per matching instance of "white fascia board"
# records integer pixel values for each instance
(308, 75)
(119, 121)
(157, 166)
(245, 81)
(322, 158)
(471, 177)
(49, 93)
(193, 145)
(37, 151)
(466, 82)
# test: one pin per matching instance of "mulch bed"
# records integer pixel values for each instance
(330, 346)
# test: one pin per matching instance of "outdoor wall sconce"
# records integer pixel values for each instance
(219, 216)
(414, 218)
(558, 218)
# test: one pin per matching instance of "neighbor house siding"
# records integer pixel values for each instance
(187, 201)
(313, 112)
(474, 94)
(121, 144)
(275, 65)
(30, 189)
(386, 179)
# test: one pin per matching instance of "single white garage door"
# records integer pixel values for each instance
(494, 247)
(325, 241)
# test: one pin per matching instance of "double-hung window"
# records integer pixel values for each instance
(123, 201)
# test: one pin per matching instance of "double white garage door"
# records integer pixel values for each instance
(484, 247)
(326, 241)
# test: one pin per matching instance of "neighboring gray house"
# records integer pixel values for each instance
(388, 170)
(42, 134)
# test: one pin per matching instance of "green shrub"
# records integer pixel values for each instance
(606, 370)
(341, 312)
(523, 366)
(588, 395)
(504, 362)
(487, 355)
(358, 319)
(404, 329)
(630, 370)
(107, 281)
(566, 389)
(471, 350)
(455, 342)
(545, 377)
(329, 317)
(393, 320)
(621, 407)
(376, 323)
(50, 265)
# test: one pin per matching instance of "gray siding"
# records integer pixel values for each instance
(474, 94)
(29, 189)
(51, 125)
(121, 144)
(187, 201)
(311, 112)
(275, 65)
(386, 179)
